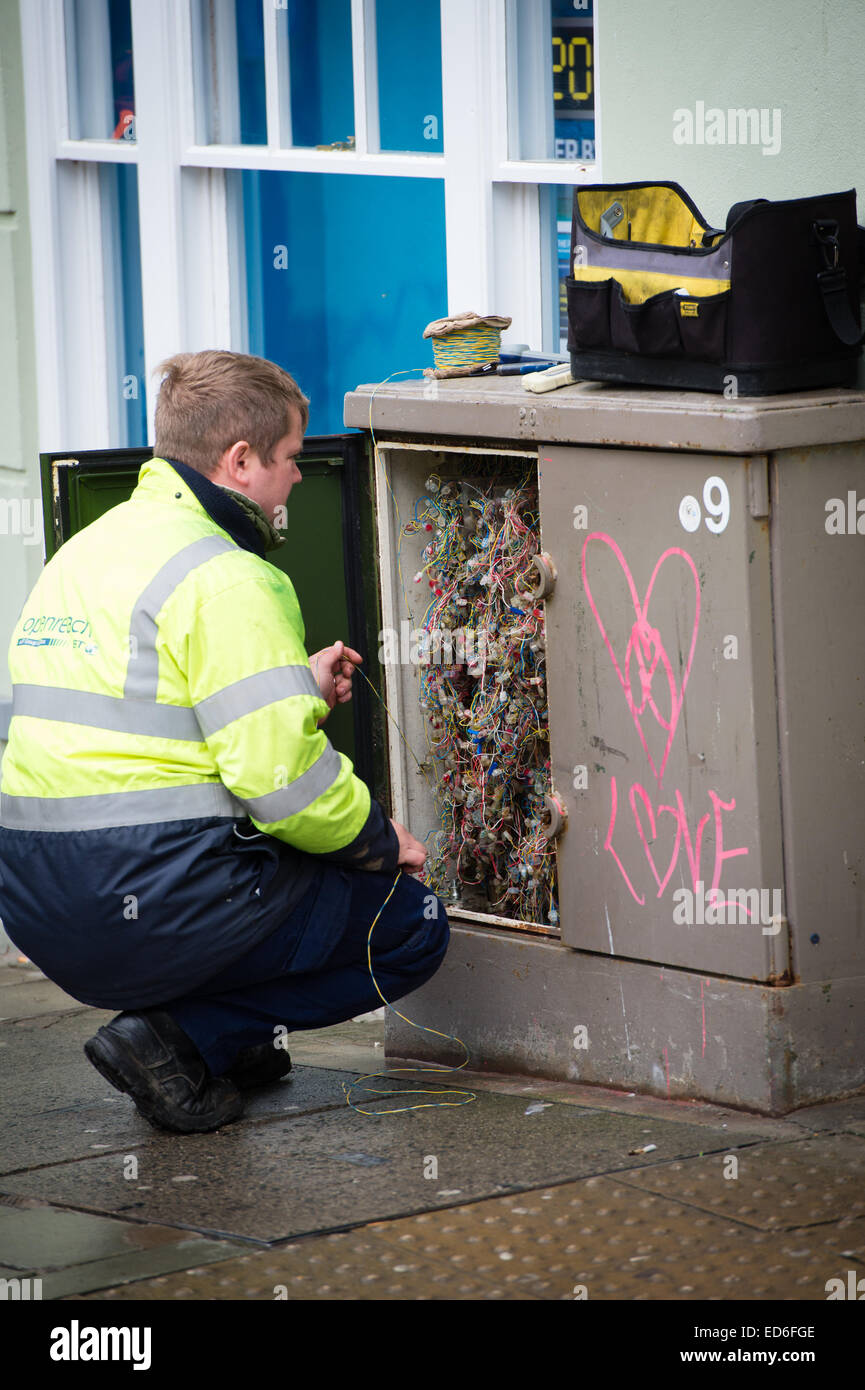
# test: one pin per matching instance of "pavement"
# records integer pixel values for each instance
(532, 1191)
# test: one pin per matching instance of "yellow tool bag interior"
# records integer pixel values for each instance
(659, 297)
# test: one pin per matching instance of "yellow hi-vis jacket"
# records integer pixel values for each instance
(160, 677)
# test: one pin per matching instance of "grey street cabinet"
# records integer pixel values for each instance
(644, 798)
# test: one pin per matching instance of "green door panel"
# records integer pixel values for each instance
(329, 556)
(312, 557)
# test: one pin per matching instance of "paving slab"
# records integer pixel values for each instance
(43, 1066)
(695, 1112)
(73, 1253)
(27, 994)
(848, 1115)
(114, 1127)
(776, 1186)
(346, 1046)
(272, 1180)
(596, 1239)
(55, 1106)
(14, 967)
(42, 1063)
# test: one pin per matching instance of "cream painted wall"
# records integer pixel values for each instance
(21, 544)
(803, 58)
(20, 561)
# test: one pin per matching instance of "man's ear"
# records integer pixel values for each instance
(234, 461)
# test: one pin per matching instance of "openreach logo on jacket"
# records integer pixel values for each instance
(50, 631)
(77, 1343)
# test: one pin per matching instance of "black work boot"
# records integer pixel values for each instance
(147, 1055)
(258, 1066)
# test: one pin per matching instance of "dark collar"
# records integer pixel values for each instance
(221, 508)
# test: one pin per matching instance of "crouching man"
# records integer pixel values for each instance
(178, 838)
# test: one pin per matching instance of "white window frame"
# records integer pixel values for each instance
(191, 284)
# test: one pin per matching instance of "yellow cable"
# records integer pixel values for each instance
(467, 1096)
(396, 725)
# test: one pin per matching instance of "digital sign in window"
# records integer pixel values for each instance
(573, 87)
(573, 64)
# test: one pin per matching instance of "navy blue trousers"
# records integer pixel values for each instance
(312, 971)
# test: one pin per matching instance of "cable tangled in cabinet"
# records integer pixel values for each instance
(483, 693)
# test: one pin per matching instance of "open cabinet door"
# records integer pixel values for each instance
(329, 557)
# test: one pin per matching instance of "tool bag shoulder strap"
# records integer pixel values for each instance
(832, 279)
(832, 282)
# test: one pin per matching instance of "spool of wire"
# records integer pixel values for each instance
(465, 342)
(467, 347)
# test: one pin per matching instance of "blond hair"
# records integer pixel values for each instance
(210, 400)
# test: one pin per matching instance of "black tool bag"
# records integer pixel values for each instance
(659, 298)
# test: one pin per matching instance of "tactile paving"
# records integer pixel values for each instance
(807, 1182)
(352, 1266)
(598, 1235)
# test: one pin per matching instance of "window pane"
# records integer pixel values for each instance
(339, 284)
(250, 68)
(551, 79)
(322, 82)
(100, 303)
(125, 318)
(99, 72)
(409, 51)
(228, 42)
(556, 209)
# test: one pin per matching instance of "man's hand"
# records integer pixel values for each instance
(333, 668)
(412, 853)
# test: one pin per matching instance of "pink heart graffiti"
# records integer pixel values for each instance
(646, 649)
